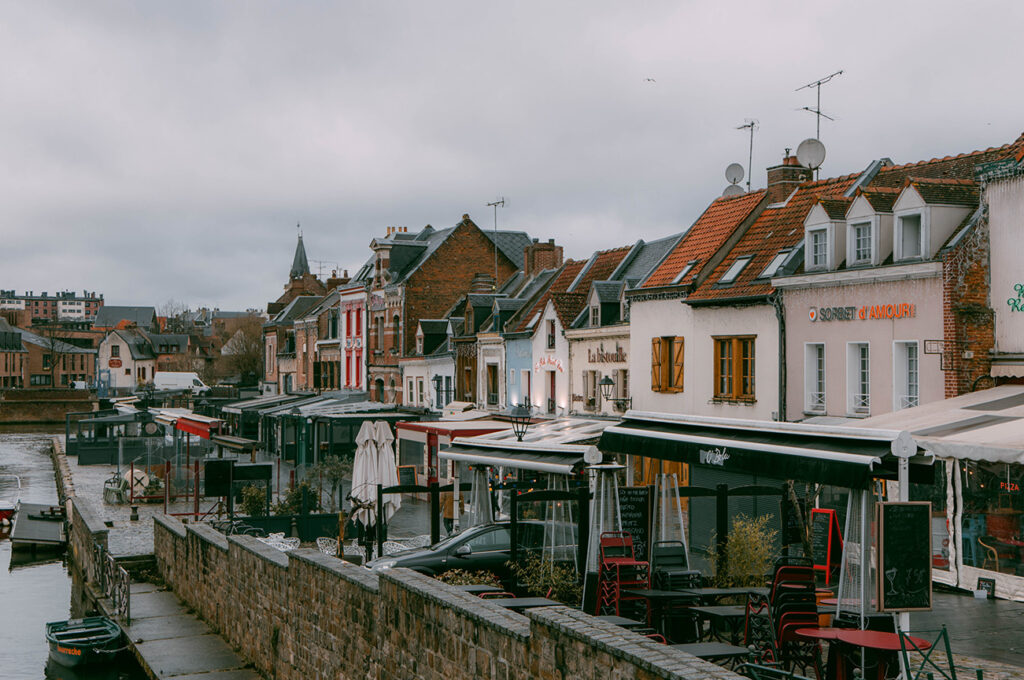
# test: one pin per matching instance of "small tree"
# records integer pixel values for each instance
(254, 500)
(749, 552)
(243, 352)
(333, 470)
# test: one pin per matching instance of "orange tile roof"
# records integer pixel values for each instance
(946, 191)
(949, 167)
(705, 237)
(880, 198)
(776, 228)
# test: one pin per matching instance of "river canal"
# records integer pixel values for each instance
(35, 592)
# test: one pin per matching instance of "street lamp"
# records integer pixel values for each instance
(607, 386)
(520, 417)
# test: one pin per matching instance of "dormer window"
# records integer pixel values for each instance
(817, 249)
(773, 267)
(419, 344)
(861, 243)
(736, 268)
(910, 236)
(595, 316)
(684, 271)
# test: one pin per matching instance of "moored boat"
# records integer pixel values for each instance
(79, 642)
(9, 505)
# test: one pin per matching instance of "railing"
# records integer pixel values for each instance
(816, 401)
(114, 582)
(908, 400)
(862, 403)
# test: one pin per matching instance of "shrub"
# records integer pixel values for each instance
(461, 577)
(254, 500)
(291, 502)
(749, 553)
(541, 577)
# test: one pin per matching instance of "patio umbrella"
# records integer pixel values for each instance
(387, 473)
(364, 475)
(480, 509)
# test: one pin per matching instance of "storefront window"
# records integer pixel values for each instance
(936, 494)
(993, 506)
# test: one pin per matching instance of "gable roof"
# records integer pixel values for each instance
(835, 208)
(294, 310)
(557, 284)
(703, 238)
(949, 167)
(946, 191)
(568, 306)
(608, 292)
(511, 244)
(881, 199)
(779, 226)
(108, 316)
(139, 346)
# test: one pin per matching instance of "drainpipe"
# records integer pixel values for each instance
(776, 300)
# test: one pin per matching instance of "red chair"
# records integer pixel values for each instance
(619, 569)
(495, 596)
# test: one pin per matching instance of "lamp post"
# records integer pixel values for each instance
(520, 417)
(607, 387)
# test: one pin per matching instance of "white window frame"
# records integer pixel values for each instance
(776, 263)
(851, 244)
(858, 403)
(814, 382)
(809, 263)
(897, 237)
(735, 269)
(684, 271)
(906, 385)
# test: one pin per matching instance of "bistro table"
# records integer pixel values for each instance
(515, 603)
(712, 595)
(886, 645)
(477, 588)
(834, 670)
(711, 651)
(657, 600)
(722, 617)
(621, 621)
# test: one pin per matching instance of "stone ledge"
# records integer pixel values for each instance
(351, 573)
(259, 548)
(172, 524)
(207, 533)
(92, 523)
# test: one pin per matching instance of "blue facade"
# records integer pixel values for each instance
(518, 363)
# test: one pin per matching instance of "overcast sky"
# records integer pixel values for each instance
(166, 150)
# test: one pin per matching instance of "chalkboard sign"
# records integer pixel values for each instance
(988, 585)
(635, 512)
(826, 541)
(407, 475)
(904, 556)
(792, 531)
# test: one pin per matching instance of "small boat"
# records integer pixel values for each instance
(9, 506)
(79, 642)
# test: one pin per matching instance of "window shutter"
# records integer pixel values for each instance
(677, 364)
(656, 364)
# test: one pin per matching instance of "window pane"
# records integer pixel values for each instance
(910, 227)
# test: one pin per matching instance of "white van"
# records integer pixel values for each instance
(180, 380)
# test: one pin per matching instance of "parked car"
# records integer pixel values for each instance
(486, 547)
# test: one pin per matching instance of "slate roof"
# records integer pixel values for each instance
(511, 244)
(138, 344)
(778, 227)
(56, 344)
(108, 316)
(158, 339)
(608, 291)
(410, 251)
(295, 310)
(558, 284)
(644, 258)
(703, 238)
(946, 191)
(324, 303)
(836, 208)
(434, 326)
(300, 265)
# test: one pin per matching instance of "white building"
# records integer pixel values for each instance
(129, 357)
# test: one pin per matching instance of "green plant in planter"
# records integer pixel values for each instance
(291, 502)
(461, 577)
(254, 500)
(542, 577)
(749, 552)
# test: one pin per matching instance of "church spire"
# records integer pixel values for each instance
(300, 265)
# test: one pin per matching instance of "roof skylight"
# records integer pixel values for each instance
(684, 271)
(737, 267)
(775, 264)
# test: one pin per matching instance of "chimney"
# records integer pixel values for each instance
(482, 283)
(784, 178)
(334, 281)
(540, 256)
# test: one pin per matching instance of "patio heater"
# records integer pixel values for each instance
(604, 516)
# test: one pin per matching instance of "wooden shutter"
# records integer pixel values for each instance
(656, 364)
(677, 364)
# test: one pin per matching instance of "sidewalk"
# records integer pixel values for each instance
(171, 643)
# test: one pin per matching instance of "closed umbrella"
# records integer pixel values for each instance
(480, 509)
(364, 475)
(387, 472)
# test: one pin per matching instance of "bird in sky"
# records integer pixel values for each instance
(650, 80)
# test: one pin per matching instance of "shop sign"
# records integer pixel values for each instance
(899, 310)
(1009, 486)
(549, 362)
(1017, 303)
(713, 456)
(600, 356)
(114, 363)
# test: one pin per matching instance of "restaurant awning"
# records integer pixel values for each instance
(559, 462)
(198, 425)
(841, 456)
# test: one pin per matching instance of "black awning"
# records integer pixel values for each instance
(783, 452)
(565, 463)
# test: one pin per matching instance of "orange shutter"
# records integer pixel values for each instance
(677, 364)
(656, 364)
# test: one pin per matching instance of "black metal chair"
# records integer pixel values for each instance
(671, 568)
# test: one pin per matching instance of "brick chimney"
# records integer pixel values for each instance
(334, 281)
(784, 178)
(540, 256)
(482, 283)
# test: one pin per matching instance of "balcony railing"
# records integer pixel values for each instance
(908, 400)
(816, 402)
(862, 403)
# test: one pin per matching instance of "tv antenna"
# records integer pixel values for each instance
(750, 123)
(495, 204)
(817, 109)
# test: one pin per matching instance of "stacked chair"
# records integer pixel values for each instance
(619, 570)
(670, 567)
(772, 621)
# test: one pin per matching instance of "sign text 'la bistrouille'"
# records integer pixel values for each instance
(899, 310)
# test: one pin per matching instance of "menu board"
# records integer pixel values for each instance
(635, 513)
(826, 541)
(904, 556)
(407, 475)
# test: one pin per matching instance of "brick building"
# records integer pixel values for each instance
(415, 276)
(65, 305)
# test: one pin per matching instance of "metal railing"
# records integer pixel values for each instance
(114, 582)
(862, 403)
(816, 401)
(908, 400)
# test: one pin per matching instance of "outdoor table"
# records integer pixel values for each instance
(621, 621)
(656, 601)
(713, 650)
(834, 670)
(885, 644)
(477, 588)
(523, 602)
(712, 595)
(720, 617)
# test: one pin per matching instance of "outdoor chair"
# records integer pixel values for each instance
(495, 595)
(994, 550)
(670, 567)
(760, 672)
(758, 631)
(928, 666)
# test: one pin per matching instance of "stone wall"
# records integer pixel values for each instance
(43, 405)
(84, 528)
(304, 614)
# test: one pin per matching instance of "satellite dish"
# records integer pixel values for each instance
(734, 173)
(811, 153)
(733, 190)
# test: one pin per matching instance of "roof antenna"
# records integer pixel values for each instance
(752, 124)
(495, 204)
(817, 110)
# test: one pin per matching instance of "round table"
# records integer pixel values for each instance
(887, 644)
(834, 670)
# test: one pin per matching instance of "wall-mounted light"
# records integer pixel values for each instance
(607, 387)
